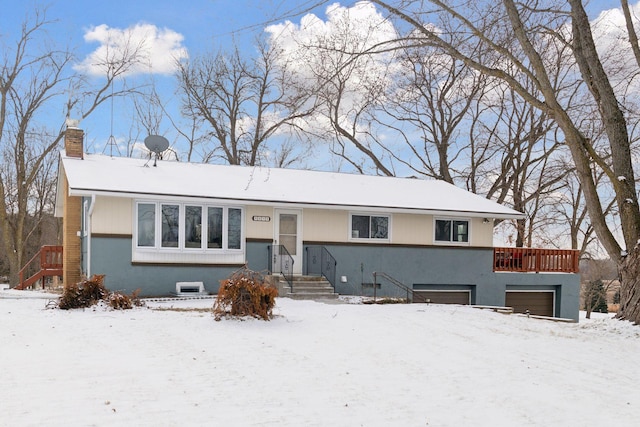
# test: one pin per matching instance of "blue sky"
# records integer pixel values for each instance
(203, 23)
(196, 26)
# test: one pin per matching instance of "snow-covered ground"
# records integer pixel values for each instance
(315, 364)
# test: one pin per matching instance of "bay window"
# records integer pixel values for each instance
(177, 226)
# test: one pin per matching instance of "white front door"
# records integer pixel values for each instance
(288, 233)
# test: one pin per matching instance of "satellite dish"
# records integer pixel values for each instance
(156, 143)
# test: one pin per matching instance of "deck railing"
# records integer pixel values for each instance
(536, 260)
(46, 262)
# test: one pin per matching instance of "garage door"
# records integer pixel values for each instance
(538, 303)
(442, 297)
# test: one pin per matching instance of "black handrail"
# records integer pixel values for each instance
(281, 262)
(320, 261)
(394, 281)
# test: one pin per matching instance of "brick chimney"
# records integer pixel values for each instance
(73, 142)
(72, 214)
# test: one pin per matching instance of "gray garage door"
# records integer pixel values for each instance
(538, 303)
(442, 297)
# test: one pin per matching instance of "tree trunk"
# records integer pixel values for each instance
(14, 269)
(630, 287)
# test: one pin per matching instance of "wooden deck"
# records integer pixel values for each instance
(536, 260)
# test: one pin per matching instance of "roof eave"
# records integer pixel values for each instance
(281, 203)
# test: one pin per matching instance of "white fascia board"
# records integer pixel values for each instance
(298, 205)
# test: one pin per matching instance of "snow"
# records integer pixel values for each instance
(314, 364)
(127, 177)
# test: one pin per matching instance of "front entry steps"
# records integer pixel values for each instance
(305, 288)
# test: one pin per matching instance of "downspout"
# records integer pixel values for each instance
(89, 213)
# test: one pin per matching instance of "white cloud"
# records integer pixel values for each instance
(610, 34)
(146, 48)
(322, 52)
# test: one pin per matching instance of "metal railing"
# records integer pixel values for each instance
(536, 260)
(49, 264)
(281, 262)
(319, 261)
(399, 284)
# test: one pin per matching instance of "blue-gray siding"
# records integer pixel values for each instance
(443, 268)
(427, 268)
(112, 256)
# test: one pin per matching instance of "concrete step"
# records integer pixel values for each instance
(311, 296)
(319, 291)
(309, 287)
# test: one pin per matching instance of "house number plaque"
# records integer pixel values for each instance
(261, 218)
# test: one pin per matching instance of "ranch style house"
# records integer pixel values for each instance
(167, 227)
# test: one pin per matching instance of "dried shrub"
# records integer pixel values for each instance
(90, 291)
(121, 301)
(84, 294)
(245, 293)
(386, 300)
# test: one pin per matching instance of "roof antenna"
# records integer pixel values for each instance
(111, 142)
(156, 144)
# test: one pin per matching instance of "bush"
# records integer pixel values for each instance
(245, 293)
(83, 294)
(90, 291)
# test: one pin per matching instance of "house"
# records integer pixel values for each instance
(150, 226)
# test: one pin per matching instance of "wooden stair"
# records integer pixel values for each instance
(47, 262)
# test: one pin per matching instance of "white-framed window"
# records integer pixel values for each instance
(188, 227)
(369, 227)
(451, 230)
(193, 226)
(146, 225)
(170, 225)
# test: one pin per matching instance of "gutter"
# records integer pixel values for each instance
(89, 214)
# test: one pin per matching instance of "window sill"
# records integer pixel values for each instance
(449, 243)
(355, 240)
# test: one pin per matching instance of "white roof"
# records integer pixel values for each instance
(138, 178)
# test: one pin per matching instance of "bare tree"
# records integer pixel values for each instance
(348, 87)
(531, 23)
(432, 97)
(572, 218)
(407, 110)
(33, 77)
(240, 103)
(525, 166)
